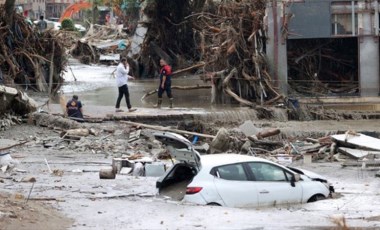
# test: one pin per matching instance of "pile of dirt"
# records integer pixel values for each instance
(17, 213)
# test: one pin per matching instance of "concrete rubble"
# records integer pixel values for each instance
(141, 155)
(114, 161)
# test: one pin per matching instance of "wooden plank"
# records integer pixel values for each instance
(360, 164)
(8, 90)
(357, 153)
(125, 171)
(359, 140)
(162, 128)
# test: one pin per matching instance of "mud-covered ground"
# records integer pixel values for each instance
(74, 197)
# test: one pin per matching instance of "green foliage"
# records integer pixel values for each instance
(68, 24)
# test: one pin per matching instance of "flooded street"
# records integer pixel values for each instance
(66, 172)
(96, 85)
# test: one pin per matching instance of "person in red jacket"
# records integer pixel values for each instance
(165, 83)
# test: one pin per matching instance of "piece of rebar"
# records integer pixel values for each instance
(30, 192)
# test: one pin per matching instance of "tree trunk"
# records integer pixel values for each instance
(9, 9)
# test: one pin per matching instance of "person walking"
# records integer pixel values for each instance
(165, 83)
(122, 78)
(74, 109)
(41, 24)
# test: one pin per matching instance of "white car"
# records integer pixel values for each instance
(235, 180)
(80, 28)
(50, 24)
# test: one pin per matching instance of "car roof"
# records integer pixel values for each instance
(224, 158)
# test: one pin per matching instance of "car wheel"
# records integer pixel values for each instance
(214, 204)
(316, 197)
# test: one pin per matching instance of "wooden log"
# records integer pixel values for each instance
(261, 142)
(273, 100)
(227, 90)
(178, 87)
(189, 68)
(312, 140)
(77, 132)
(162, 128)
(268, 133)
(108, 173)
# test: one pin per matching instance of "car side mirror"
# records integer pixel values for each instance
(295, 178)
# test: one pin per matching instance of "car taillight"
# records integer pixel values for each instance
(193, 190)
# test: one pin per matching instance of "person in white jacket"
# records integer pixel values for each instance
(122, 78)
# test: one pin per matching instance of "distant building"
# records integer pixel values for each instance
(32, 9)
(55, 8)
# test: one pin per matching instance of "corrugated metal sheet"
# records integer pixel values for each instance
(312, 19)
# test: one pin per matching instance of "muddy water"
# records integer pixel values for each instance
(96, 85)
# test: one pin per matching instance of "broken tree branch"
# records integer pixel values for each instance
(189, 68)
(178, 87)
(9, 147)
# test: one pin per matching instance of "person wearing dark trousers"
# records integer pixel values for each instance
(74, 109)
(122, 78)
(165, 83)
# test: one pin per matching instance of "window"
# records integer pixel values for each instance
(231, 172)
(268, 172)
(344, 18)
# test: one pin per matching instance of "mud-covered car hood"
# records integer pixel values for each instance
(314, 176)
(311, 175)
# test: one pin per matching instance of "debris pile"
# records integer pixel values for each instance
(227, 37)
(8, 120)
(357, 149)
(320, 67)
(13, 101)
(224, 42)
(101, 43)
(29, 59)
(133, 146)
(350, 148)
(7, 163)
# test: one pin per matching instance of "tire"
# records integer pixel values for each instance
(316, 197)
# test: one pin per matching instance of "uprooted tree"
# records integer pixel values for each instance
(28, 59)
(228, 37)
(224, 41)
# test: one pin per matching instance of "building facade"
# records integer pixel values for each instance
(324, 47)
(55, 8)
(33, 9)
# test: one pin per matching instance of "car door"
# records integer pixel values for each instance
(234, 187)
(273, 184)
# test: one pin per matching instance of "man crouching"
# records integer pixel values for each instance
(74, 109)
